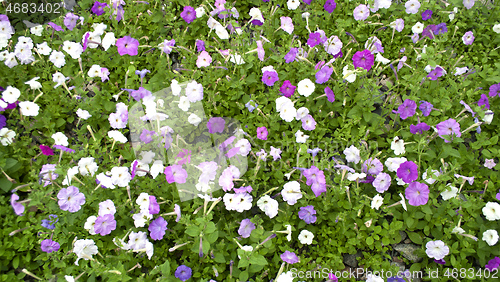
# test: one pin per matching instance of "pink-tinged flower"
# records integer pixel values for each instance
(260, 50)
(489, 163)
(262, 133)
(204, 59)
(154, 207)
(55, 27)
(329, 94)
(372, 166)
(437, 249)
(246, 228)
(330, 5)
(98, 8)
(412, 6)
(398, 24)
(287, 24)
(363, 59)
(290, 56)
(177, 211)
(70, 20)
(361, 12)
(269, 78)
(46, 150)
(287, 89)
(469, 4)
(408, 171)
(50, 246)
(407, 109)
(157, 228)
(308, 123)
(216, 125)
(449, 127)
(188, 14)
(314, 39)
(184, 156)
(289, 257)
(127, 45)
(307, 214)
(417, 193)
(70, 199)
(104, 74)
(468, 38)
(323, 75)
(175, 173)
(382, 182)
(105, 224)
(18, 208)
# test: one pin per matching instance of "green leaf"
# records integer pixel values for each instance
(165, 268)
(15, 262)
(219, 258)
(415, 238)
(258, 260)
(243, 276)
(212, 237)
(5, 184)
(210, 228)
(369, 241)
(193, 231)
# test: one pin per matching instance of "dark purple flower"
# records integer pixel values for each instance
(200, 45)
(175, 173)
(290, 56)
(154, 207)
(338, 55)
(330, 5)
(269, 78)
(246, 228)
(407, 109)
(262, 133)
(70, 20)
(419, 128)
(323, 75)
(308, 2)
(55, 27)
(329, 94)
(493, 264)
(104, 224)
(314, 39)
(448, 127)
(426, 108)
(484, 101)
(50, 223)
(287, 89)
(363, 59)
(417, 193)
(429, 31)
(426, 15)
(435, 73)
(46, 150)
(289, 257)
(86, 41)
(307, 214)
(395, 279)
(127, 45)
(494, 90)
(440, 261)
(441, 29)
(216, 125)
(50, 246)
(257, 22)
(98, 8)
(157, 228)
(183, 272)
(408, 171)
(147, 136)
(188, 14)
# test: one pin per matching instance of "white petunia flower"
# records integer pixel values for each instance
(306, 237)
(83, 114)
(29, 108)
(291, 192)
(305, 87)
(60, 139)
(450, 192)
(490, 237)
(377, 202)
(11, 94)
(492, 211)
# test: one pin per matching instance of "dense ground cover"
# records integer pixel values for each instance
(250, 141)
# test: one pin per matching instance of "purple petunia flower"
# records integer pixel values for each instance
(98, 8)
(419, 128)
(417, 193)
(104, 224)
(188, 14)
(262, 133)
(363, 59)
(18, 208)
(440, 261)
(70, 20)
(314, 151)
(429, 31)
(175, 173)
(216, 125)
(408, 171)
(314, 39)
(329, 94)
(154, 207)
(289, 257)
(246, 228)
(395, 279)
(200, 45)
(140, 93)
(426, 108)
(493, 264)
(47, 173)
(382, 182)
(330, 5)
(494, 90)
(50, 223)
(426, 15)
(86, 41)
(70, 199)
(441, 29)
(287, 89)
(3, 121)
(484, 101)
(323, 75)
(50, 246)
(372, 166)
(127, 45)
(46, 150)
(142, 73)
(435, 73)
(55, 27)
(269, 78)
(449, 127)
(63, 148)
(308, 123)
(157, 228)
(407, 109)
(290, 56)
(147, 136)
(307, 214)
(468, 38)
(183, 272)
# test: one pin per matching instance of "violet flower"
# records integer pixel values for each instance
(188, 14)
(269, 78)
(417, 193)
(323, 75)
(70, 199)
(18, 208)
(449, 127)
(262, 133)
(127, 46)
(426, 15)
(307, 214)
(329, 94)
(289, 257)
(216, 125)
(290, 56)
(50, 223)
(419, 128)
(105, 224)
(408, 171)
(407, 109)
(363, 59)
(330, 5)
(246, 228)
(175, 173)
(98, 8)
(49, 246)
(183, 272)
(157, 228)
(287, 89)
